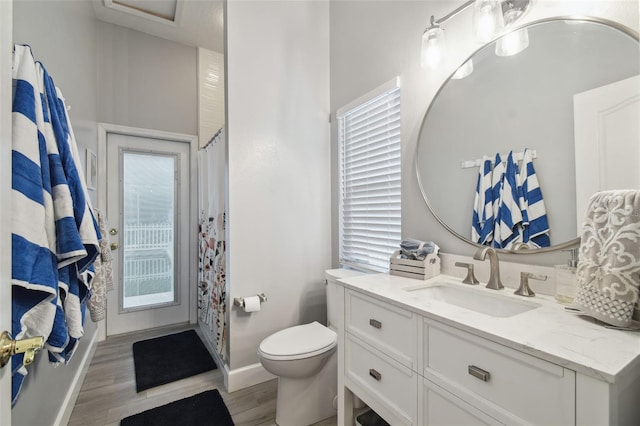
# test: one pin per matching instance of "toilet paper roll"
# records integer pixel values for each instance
(251, 304)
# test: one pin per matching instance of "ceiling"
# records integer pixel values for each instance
(191, 22)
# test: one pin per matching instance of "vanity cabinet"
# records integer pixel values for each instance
(416, 371)
(416, 360)
(507, 385)
(381, 354)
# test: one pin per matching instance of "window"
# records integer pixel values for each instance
(370, 178)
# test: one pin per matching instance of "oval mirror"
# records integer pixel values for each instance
(509, 103)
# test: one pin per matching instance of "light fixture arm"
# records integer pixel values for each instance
(452, 13)
(432, 24)
(521, 5)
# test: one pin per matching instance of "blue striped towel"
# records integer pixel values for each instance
(496, 192)
(482, 221)
(509, 219)
(74, 203)
(51, 240)
(34, 265)
(76, 228)
(536, 227)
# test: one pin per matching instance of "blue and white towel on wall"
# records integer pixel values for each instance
(508, 222)
(482, 223)
(508, 207)
(536, 225)
(497, 180)
(54, 233)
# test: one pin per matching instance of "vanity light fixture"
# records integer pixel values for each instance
(516, 41)
(433, 46)
(490, 18)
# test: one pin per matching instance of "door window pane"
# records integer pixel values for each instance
(148, 229)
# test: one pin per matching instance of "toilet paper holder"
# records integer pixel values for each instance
(239, 301)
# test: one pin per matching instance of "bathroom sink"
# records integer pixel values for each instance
(494, 305)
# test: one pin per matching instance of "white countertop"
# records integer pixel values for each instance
(547, 332)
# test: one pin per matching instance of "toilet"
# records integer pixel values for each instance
(305, 361)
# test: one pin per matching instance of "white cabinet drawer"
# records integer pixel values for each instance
(441, 408)
(523, 388)
(389, 383)
(388, 328)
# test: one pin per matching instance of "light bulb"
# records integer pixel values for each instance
(514, 42)
(432, 51)
(487, 20)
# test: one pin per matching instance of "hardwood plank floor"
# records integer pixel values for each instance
(108, 393)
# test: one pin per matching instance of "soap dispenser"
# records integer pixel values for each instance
(567, 279)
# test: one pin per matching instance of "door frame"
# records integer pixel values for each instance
(6, 64)
(104, 129)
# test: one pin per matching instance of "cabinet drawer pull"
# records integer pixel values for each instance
(375, 323)
(373, 373)
(479, 373)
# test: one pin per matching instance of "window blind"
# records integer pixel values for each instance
(370, 180)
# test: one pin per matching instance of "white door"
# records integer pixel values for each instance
(607, 131)
(148, 214)
(6, 48)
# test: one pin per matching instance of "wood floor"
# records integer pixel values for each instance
(108, 393)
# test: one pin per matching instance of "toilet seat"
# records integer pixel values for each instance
(301, 341)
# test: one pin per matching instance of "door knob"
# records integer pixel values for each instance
(9, 347)
(113, 231)
(114, 246)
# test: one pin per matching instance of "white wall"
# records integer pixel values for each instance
(62, 36)
(145, 81)
(373, 41)
(210, 94)
(278, 166)
(68, 54)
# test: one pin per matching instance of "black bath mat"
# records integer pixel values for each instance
(206, 408)
(169, 358)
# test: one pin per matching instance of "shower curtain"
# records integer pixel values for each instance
(212, 307)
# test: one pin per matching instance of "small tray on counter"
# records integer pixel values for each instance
(417, 269)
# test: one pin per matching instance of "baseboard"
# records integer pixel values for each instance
(244, 377)
(214, 353)
(221, 365)
(74, 390)
(238, 378)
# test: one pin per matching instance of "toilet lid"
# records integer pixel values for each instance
(301, 341)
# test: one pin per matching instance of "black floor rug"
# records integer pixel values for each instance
(206, 408)
(169, 358)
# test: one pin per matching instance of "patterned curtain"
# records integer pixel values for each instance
(212, 305)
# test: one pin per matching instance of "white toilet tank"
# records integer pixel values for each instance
(333, 311)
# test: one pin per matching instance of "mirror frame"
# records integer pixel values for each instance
(525, 250)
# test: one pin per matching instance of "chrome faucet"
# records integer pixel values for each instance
(494, 282)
